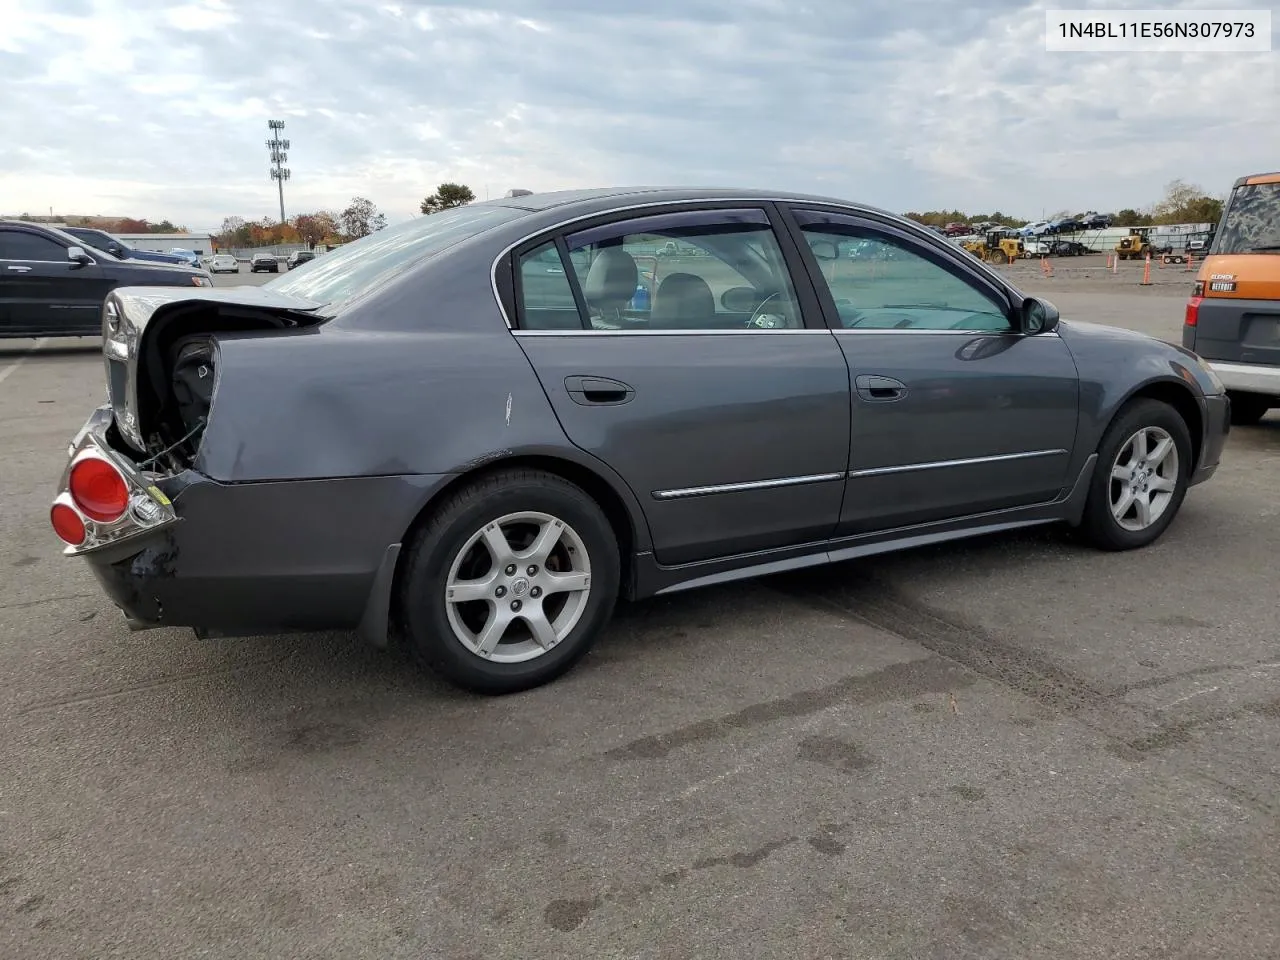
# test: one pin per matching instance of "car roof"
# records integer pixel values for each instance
(606, 198)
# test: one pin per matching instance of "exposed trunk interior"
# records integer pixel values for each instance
(177, 370)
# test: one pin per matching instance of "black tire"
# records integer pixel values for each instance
(421, 607)
(1248, 408)
(1099, 525)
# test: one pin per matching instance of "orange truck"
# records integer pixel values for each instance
(1233, 316)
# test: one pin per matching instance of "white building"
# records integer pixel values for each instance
(201, 243)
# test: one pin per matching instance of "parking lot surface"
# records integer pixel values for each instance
(1012, 747)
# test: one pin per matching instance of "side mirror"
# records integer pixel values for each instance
(1038, 316)
(825, 249)
(77, 255)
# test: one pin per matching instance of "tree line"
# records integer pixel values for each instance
(109, 224)
(1182, 203)
(359, 218)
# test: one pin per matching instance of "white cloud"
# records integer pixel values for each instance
(159, 109)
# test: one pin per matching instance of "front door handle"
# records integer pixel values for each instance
(879, 389)
(17, 269)
(598, 391)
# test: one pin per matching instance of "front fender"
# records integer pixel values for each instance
(1114, 365)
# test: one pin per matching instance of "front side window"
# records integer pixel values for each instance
(881, 282)
(697, 270)
(20, 245)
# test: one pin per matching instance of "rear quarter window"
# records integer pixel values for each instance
(1251, 220)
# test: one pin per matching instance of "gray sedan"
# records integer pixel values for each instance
(473, 432)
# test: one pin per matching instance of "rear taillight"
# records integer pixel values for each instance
(1193, 311)
(98, 489)
(67, 524)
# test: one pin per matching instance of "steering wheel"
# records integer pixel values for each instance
(764, 320)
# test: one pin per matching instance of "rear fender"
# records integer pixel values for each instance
(364, 403)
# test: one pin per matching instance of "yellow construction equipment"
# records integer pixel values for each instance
(1000, 246)
(1138, 244)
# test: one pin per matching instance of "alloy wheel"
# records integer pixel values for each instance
(1144, 478)
(518, 587)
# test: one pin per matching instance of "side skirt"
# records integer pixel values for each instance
(652, 578)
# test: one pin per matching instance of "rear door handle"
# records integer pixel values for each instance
(16, 269)
(879, 389)
(598, 391)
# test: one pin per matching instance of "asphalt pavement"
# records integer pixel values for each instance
(1013, 747)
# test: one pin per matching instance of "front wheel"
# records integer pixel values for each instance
(510, 582)
(1139, 483)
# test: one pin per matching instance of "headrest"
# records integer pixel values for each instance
(682, 299)
(611, 281)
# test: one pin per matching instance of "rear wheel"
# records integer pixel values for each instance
(1140, 481)
(510, 582)
(1248, 408)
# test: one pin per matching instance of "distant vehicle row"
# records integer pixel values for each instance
(270, 263)
(1085, 221)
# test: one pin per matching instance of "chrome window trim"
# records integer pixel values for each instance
(667, 332)
(681, 493)
(953, 333)
(761, 200)
(28, 260)
(965, 462)
(764, 330)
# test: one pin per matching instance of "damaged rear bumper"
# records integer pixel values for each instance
(244, 559)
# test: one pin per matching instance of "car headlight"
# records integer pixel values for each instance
(201, 282)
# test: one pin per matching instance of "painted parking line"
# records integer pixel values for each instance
(4, 374)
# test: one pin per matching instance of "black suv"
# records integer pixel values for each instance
(51, 286)
(299, 256)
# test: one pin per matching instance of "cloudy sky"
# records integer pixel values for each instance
(159, 109)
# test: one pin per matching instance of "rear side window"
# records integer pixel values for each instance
(20, 245)
(546, 297)
(720, 269)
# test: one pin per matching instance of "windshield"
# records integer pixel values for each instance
(73, 240)
(371, 261)
(1251, 222)
(97, 239)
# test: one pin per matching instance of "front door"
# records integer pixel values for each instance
(955, 412)
(45, 293)
(674, 348)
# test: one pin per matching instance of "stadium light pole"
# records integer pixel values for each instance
(277, 148)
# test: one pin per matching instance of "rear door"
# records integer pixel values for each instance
(45, 293)
(955, 412)
(675, 347)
